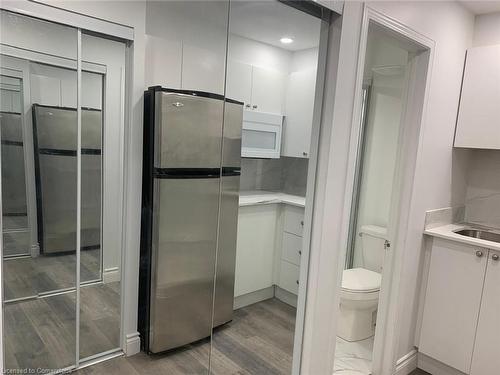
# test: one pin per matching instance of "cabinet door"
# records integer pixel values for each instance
(478, 124)
(486, 360)
(452, 303)
(268, 89)
(239, 82)
(299, 108)
(203, 68)
(289, 277)
(255, 248)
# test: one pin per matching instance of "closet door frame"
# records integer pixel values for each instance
(103, 29)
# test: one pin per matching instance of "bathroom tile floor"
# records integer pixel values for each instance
(353, 358)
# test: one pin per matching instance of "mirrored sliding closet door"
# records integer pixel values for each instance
(232, 114)
(61, 273)
(273, 95)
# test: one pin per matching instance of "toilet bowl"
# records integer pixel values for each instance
(358, 304)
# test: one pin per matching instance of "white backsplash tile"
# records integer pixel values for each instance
(444, 216)
(482, 204)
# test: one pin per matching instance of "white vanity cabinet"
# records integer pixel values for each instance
(486, 358)
(261, 89)
(459, 323)
(478, 124)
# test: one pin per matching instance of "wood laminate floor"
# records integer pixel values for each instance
(40, 332)
(29, 277)
(259, 341)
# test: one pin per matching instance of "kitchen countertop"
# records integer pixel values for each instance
(447, 232)
(256, 197)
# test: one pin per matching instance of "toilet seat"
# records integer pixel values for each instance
(361, 280)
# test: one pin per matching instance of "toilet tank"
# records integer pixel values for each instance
(372, 242)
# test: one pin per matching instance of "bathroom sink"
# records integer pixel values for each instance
(480, 234)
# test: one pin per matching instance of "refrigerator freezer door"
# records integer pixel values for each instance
(183, 260)
(188, 130)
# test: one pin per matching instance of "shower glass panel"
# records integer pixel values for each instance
(39, 280)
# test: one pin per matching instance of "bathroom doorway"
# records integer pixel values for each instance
(392, 71)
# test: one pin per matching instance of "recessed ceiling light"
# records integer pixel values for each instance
(286, 40)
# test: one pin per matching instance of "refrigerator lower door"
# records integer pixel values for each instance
(226, 253)
(185, 214)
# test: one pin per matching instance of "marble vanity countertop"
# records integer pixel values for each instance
(252, 198)
(447, 232)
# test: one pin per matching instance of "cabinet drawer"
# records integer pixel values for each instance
(289, 277)
(292, 248)
(294, 220)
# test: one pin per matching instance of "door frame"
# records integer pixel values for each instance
(334, 185)
(410, 139)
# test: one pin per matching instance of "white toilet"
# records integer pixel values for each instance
(361, 286)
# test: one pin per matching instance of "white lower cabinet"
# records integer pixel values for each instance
(486, 358)
(269, 248)
(292, 248)
(289, 277)
(291, 251)
(257, 227)
(462, 308)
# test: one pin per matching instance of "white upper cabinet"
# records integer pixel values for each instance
(268, 90)
(239, 82)
(478, 124)
(262, 90)
(299, 108)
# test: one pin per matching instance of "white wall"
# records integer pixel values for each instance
(439, 175)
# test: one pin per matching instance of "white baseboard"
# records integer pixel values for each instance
(406, 364)
(253, 297)
(285, 296)
(435, 367)
(111, 275)
(35, 250)
(132, 344)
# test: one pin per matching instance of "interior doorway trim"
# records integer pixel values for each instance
(413, 119)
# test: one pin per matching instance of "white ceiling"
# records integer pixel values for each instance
(482, 7)
(269, 21)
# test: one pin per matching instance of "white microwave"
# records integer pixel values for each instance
(261, 135)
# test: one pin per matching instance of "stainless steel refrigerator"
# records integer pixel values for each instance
(191, 174)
